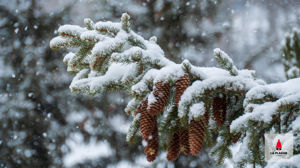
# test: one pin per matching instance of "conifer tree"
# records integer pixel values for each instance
(168, 97)
(30, 82)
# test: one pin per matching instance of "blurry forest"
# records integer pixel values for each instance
(43, 124)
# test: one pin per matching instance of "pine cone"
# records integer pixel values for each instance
(147, 124)
(236, 138)
(174, 148)
(151, 149)
(184, 141)
(161, 93)
(142, 107)
(181, 84)
(196, 135)
(219, 109)
(206, 114)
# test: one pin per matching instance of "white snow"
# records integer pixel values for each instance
(279, 164)
(240, 150)
(118, 120)
(234, 149)
(286, 93)
(167, 74)
(130, 55)
(143, 84)
(89, 22)
(139, 162)
(196, 110)
(277, 90)
(81, 151)
(108, 45)
(207, 72)
(60, 41)
(151, 55)
(92, 35)
(293, 71)
(219, 54)
(125, 59)
(156, 54)
(68, 57)
(151, 99)
(131, 106)
(110, 26)
(296, 125)
(115, 74)
(197, 89)
(71, 30)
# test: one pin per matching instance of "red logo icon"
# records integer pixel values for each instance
(278, 146)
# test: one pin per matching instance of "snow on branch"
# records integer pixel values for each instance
(110, 56)
(225, 61)
(263, 102)
(272, 108)
(174, 101)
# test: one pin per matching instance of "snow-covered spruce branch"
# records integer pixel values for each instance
(272, 108)
(184, 104)
(110, 55)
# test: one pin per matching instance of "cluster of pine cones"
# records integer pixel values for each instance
(186, 140)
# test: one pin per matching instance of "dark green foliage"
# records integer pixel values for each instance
(221, 149)
(291, 55)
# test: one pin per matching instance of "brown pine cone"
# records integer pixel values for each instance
(181, 84)
(184, 141)
(219, 109)
(151, 149)
(142, 106)
(147, 124)
(236, 138)
(161, 93)
(206, 114)
(196, 135)
(174, 148)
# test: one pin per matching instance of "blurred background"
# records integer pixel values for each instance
(43, 124)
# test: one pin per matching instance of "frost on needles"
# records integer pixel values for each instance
(179, 107)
